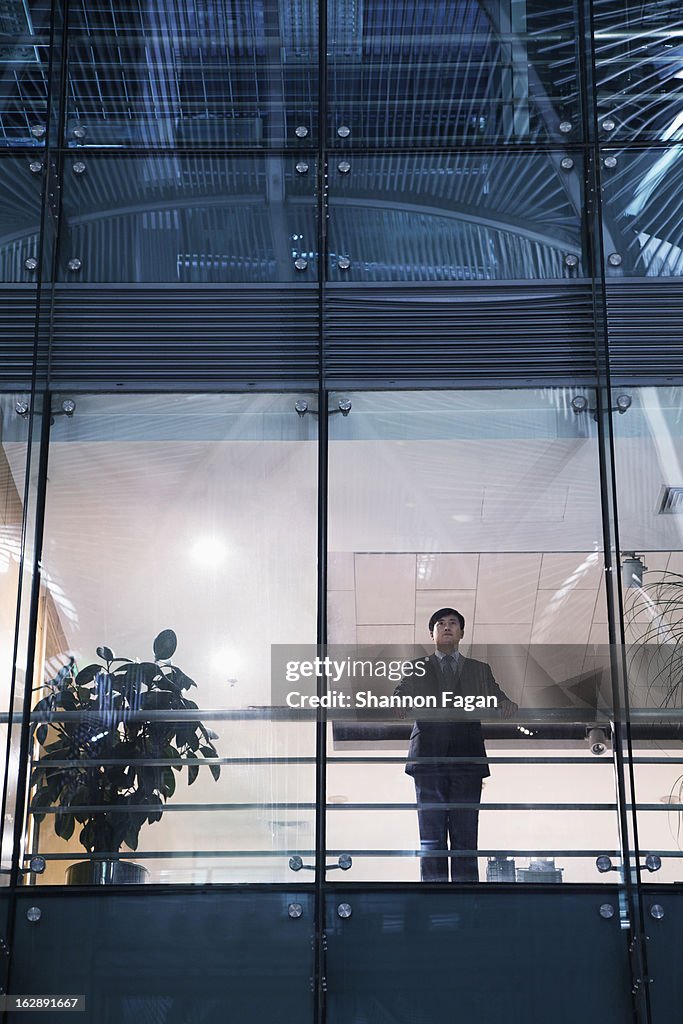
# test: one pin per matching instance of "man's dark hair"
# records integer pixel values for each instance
(442, 613)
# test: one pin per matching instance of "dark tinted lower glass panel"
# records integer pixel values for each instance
(217, 956)
(664, 929)
(485, 957)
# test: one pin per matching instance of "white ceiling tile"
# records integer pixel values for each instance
(446, 571)
(507, 587)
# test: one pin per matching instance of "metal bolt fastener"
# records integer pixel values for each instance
(38, 131)
(31, 263)
(74, 264)
(343, 131)
(302, 167)
(295, 910)
(571, 260)
(344, 910)
(566, 163)
(657, 911)
(79, 132)
(68, 407)
(606, 910)
(614, 259)
(35, 167)
(21, 408)
(78, 167)
(300, 263)
(37, 864)
(34, 914)
(565, 127)
(610, 161)
(296, 863)
(344, 167)
(301, 131)
(343, 262)
(608, 125)
(345, 860)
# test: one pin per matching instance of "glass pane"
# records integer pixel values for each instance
(638, 68)
(196, 75)
(167, 514)
(417, 956)
(170, 960)
(25, 32)
(643, 222)
(465, 217)
(439, 73)
(14, 429)
(189, 220)
(487, 503)
(20, 187)
(648, 446)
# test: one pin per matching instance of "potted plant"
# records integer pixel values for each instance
(122, 746)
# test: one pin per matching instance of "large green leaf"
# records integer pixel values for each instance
(131, 838)
(105, 653)
(181, 679)
(186, 736)
(166, 682)
(64, 825)
(42, 798)
(168, 784)
(157, 700)
(193, 769)
(165, 645)
(41, 734)
(136, 673)
(87, 674)
(155, 815)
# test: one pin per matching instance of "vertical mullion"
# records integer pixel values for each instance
(623, 748)
(319, 967)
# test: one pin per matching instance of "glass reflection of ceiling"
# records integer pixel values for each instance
(427, 71)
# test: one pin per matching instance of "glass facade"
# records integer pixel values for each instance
(332, 329)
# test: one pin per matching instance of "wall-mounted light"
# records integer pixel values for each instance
(597, 741)
(632, 569)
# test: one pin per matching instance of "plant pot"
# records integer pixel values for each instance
(106, 872)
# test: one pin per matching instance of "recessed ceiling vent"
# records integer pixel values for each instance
(671, 502)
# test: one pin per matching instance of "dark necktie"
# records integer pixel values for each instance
(448, 670)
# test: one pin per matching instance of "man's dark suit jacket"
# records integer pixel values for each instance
(449, 738)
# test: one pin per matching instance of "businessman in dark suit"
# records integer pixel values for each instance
(439, 784)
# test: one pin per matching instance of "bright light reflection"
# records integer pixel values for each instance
(225, 661)
(209, 551)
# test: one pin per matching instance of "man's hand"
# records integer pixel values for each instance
(508, 708)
